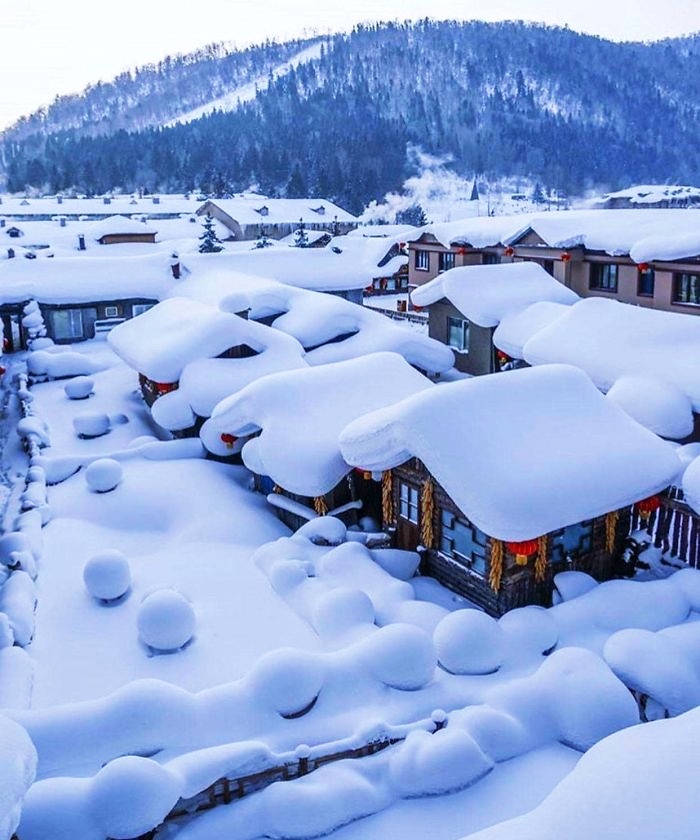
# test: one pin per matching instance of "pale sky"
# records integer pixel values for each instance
(50, 47)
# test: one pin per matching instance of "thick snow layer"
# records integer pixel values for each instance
(486, 294)
(608, 340)
(286, 406)
(114, 225)
(103, 475)
(61, 364)
(245, 209)
(162, 340)
(659, 405)
(469, 642)
(545, 449)
(17, 769)
(515, 330)
(691, 485)
(166, 620)
(626, 787)
(79, 388)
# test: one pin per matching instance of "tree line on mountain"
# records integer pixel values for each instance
(568, 110)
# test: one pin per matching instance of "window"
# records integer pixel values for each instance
(604, 277)
(423, 260)
(458, 334)
(408, 502)
(462, 541)
(686, 289)
(645, 282)
(490, 259)
(572, 541)
(68, 323)
(111, 311)
(446, 261)
(140, 308)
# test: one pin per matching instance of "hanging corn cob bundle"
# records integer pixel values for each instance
(496, 571)
(426, 514)
(387, 498)
(320, 506)
(611, 521)
(541, 560)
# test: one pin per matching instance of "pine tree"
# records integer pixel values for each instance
(538, 196)
(301, 240)
(263, 241)
(210, 242)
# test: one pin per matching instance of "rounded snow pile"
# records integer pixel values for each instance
(401, 656)
(103, 475)
(655, 403)
(132, 795)
(79, 388)
(531, 628)
(166, 620)
(691, 485)
(286, 681)
(286, 575)
(469, 642)
(107, 575)
(91, 424)
(342, 610)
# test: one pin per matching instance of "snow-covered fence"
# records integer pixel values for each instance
(674, 527)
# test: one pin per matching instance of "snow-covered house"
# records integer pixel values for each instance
(190, 355)
(80, 296)
(510, 478)
(291, 423)
(466, 304)
(645, 360)
(245, 214)
(118, 229)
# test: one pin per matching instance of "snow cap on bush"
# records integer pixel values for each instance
(103, 475)
(107, 575)
(166, 620)
(469, 642)
(286, 681)
(79, 388)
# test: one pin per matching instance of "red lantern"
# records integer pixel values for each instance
(228, 439)
(369, 289)
(2, 370)
(165, 387)
(523, 550)
(644, 267)
(502, 357)
(646, 507)
(566, 257)
(462, 251)
(509, 252)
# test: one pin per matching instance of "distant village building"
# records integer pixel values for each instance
(120, 229)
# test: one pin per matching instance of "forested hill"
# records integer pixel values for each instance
(569, 110)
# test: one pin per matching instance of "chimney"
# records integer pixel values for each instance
(10, 253)
(2, 223)
(81, 241)
(62, 221)
(156, 199)
(175, 266)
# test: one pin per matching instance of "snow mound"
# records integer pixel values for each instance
(569, 585)
(286, 681)
(326, 530)
(469, 642)
(402, 565)
(91, 424)
(131, 795)
(166, 620)
(61, 365)
(691, 485)
(286, 575)
(341, 611)
(401, 656)
(103, 475)
(79, 388)
(107, 575)
(660, 406)
(432, 764)
(17, 768)
(34, 426)
(530, 628)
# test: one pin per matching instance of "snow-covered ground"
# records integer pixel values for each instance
(308, 639)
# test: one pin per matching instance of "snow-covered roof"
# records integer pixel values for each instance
(479, 231)
(161, 341)
(516, 329)
(521, 453)
(85, 279)
(48, 206)
(486, 294)
(653, 193)
(659, 405)
(609, 339)
(246, 210)
(691, 484)
(116, 225)
(206, 381)
(301, 414)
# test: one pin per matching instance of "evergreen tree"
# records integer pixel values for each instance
(301, 239)
(538, 196)
(413, 215)
(263, 241)
(296, 186)
(209, 241)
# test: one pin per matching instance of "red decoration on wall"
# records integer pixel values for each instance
(523, 550)
(509, 252)
(166, 387)
(644, 266)
(566, 257)
(647, 506)
(462, 251)
(228, 439)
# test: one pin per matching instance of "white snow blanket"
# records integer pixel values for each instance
(115, 225)
(608, 340)
(17, 769)
(301, 414)
(521, 453)
(486, 294)
(516, 329)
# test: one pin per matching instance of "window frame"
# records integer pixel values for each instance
(443, 257)
(141, 307)
(477, 562)
(641, 275)
(462, 324)
(693, 281)
(409, 502)
(422, 256)
(601, 277)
